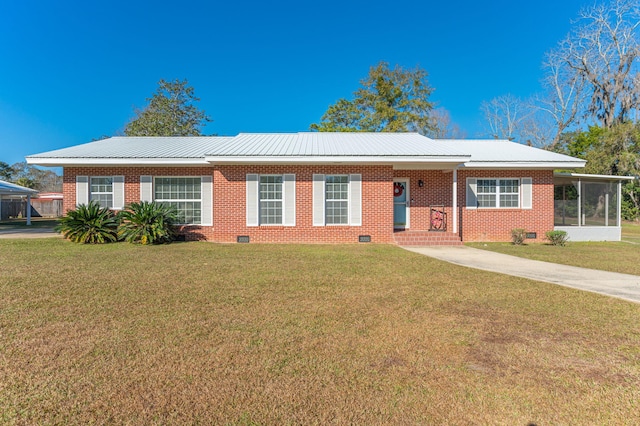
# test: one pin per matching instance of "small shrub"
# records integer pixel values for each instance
(557, 238)
(147, 223)
(89, 224)
(518, 235)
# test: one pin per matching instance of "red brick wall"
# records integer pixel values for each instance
(496, 224)
(229, 213)
(437, 190)
(229, 200)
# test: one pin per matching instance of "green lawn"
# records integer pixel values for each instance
(631, 232)
(621, 257)
(201, 333)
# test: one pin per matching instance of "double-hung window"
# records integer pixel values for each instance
(182, 193)
(270, 200)
(101, 191)
(498, 193)
(337, 200)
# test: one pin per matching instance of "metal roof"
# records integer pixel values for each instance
(145, 149)
(492, 152)
(406, 149)
(327, 144)
(8, 188)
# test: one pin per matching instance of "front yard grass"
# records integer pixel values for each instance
(200, 333)
(620, 257)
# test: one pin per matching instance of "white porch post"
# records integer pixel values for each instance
(579, 203)
(619, 205)
(455, 201)
(28, 209)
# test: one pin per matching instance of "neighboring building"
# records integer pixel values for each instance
(48, 204)
(323, 187)
(12, 201)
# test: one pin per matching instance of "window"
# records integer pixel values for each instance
(184, 194)
(101, 190)
(337, 200)
(498, 193)
(270, 200)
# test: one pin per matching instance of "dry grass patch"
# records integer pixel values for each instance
(262, 334)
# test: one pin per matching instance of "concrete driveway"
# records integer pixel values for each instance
(612, 284)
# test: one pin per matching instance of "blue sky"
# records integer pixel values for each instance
(71, 71)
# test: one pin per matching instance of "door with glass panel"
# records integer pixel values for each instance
(401, 203)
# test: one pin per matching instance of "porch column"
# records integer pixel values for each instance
(455, 201)
(28, 209)
(579, 202)
(619, 205)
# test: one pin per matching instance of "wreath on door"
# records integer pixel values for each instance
(398, 189)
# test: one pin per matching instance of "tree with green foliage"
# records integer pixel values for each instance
(171, 112)
(6, 171)
(390, 100)
(613, 151)
(32, 177)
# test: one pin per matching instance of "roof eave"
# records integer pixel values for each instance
(598, 177)
(335, 159)
(524, 164)
(58, 162)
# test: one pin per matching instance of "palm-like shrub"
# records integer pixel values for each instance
(147, 223)
(89, 224)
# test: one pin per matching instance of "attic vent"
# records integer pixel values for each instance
(364, 238)
(242, 239)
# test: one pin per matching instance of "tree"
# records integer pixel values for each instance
(390, 100)
(613, 151)
(6, 172)
(564, 100)
(505, 115)
(170, 112)
(603, 50)
(442, 127)
(33, 177)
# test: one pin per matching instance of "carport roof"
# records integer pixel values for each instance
(8, 188)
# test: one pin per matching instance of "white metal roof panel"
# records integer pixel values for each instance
(504, 151)
(326, 144)
(362, 148)
(8, 188)
(140, 147)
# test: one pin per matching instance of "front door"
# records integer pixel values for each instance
(401, 203)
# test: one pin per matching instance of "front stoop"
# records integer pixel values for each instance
(426, 238)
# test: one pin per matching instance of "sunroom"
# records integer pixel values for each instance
(588, 207)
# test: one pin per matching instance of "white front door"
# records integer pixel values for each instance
(401, 201)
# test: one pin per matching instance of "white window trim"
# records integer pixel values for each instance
(91, 193)
(348, 200)
(497, 193)
(153, 196)
(319, 199)
(252, 181)
(282, 201)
